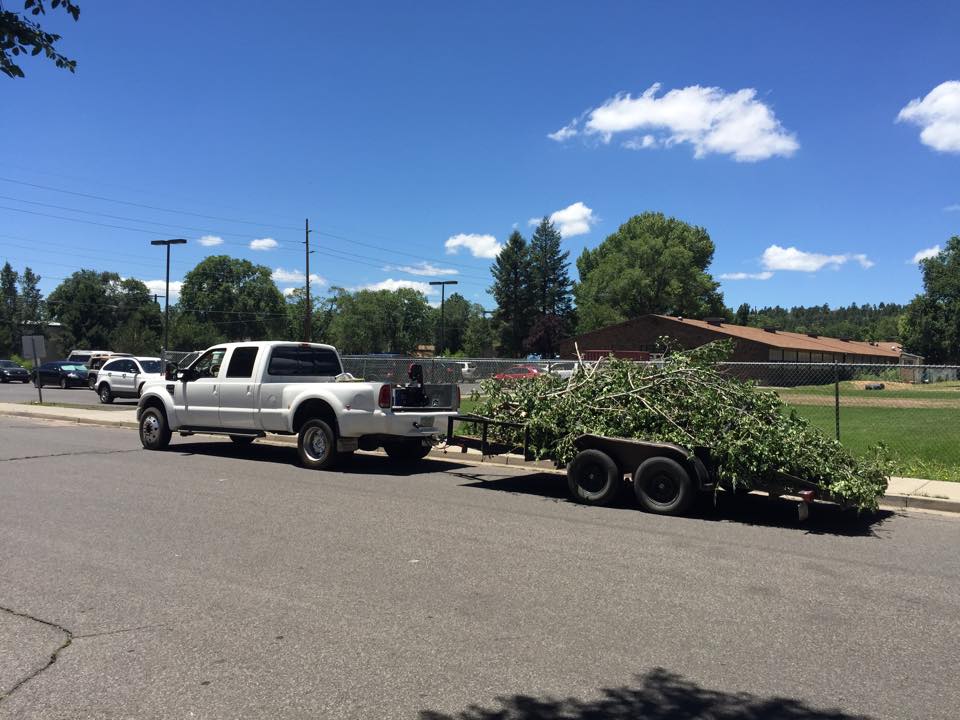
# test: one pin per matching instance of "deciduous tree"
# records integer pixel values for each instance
(22, 35)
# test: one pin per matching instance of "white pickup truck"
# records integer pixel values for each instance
(246, 390)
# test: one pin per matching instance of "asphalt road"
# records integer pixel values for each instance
(20, 393)
(215, 581)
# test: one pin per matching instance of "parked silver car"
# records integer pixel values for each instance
(124, 377)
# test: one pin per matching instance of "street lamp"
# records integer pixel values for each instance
(443, 289)
(166, 298)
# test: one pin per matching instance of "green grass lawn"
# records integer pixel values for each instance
(924, 442)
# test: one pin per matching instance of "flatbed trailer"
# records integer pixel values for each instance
(666, 478)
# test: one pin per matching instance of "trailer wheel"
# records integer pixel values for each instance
(594, 478)
(663, 486)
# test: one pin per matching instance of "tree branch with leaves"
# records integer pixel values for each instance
(22, 35)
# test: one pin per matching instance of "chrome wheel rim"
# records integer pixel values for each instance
(150, 429)
(104, 394)
(315, 444)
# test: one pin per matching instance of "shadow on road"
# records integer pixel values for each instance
(724, 507)
(287, 455)
(658, 695)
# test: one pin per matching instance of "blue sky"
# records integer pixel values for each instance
(398, 127)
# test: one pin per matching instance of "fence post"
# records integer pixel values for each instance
(836, 395)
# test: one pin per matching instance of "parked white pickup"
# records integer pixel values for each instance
(246, 390)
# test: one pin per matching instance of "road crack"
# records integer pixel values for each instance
(68, 638)
(69, 454)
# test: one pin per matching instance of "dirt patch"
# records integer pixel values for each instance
(882, 402)
(887, 385)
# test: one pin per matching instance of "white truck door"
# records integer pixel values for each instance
(198, 402)
(238, 390)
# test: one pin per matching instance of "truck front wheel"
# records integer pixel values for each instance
(407, 451)
(316, 445)
(154, 432)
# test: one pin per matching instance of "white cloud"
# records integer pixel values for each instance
(263, 244)
(282, 276)
(779, 258)
(925, 254)
(710, 119)
(765, 275)
(564, 133)
(481, 246)
(287, 292)
(211, 240)
(573, 220)
(641, 143)
(391, 284)
(424, 269)
(938, 114)
(159, 287)
(952, 208)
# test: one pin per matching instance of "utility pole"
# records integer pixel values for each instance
(166, 299)
(308, 316)
(443, 288)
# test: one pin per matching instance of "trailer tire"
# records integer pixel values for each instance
(663, 486)
(594, 478)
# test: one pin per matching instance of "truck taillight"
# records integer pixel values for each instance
(386, 396)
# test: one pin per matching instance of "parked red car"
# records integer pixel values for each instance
(518, 372)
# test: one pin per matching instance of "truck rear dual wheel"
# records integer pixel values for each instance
(316, 445)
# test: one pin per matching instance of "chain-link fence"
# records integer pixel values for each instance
(911, 409)
(467, 371)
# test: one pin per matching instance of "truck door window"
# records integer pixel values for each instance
(208, 365)
(241, 362)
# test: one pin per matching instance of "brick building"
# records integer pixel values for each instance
(750, 344)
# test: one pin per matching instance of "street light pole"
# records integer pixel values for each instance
(443, 288)
(166, 299)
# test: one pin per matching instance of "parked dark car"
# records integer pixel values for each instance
(61, 372)
(11, 371)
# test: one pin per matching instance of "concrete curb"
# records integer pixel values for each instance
(914, 500)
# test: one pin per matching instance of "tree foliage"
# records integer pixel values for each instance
(101, 310)
(511, 291)
(457, 311)
(754, 439)
(931, 324)
(365, 321)
(22, 35)
(651, 264)
(239, 298)
(549, 290)
(857, 322)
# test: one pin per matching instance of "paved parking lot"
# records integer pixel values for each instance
(215, 581)
(20, 393)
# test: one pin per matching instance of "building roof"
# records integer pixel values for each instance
(793, 341)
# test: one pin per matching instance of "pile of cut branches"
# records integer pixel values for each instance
(756, 441)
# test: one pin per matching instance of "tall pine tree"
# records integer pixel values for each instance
(550, 289)
(9, 335)
(511, 290)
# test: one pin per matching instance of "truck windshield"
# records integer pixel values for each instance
(303, 361)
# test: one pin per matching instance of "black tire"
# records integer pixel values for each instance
(316, 445)
(407, 451)
(92, 384)
(154, 432)
(594, 478)
(64, 383)
(4, 380)
(106, 397)
(243, 439)
(663, 486)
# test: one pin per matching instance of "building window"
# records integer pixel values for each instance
(803, 356)
(776, 355)
(789, 355)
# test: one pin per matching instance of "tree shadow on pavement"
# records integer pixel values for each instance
(657, 695)
(361, 464)
(744, 508)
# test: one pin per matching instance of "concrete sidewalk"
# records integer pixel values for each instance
(902, 493)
